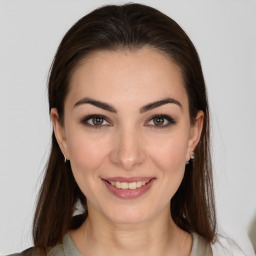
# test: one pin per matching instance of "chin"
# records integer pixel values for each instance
(126, 219)
(130, 215)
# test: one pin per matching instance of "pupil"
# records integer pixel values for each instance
(97, 120)
(158, 121)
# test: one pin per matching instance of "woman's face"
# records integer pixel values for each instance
(127, 133)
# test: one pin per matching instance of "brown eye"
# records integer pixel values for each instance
(97, 120)
(161, 121)
(158, 121)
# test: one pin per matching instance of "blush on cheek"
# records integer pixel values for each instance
(169, 156)
(86, 155)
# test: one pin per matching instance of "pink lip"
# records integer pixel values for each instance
(128, 179)
(129, 193)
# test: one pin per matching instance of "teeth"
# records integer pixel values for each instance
(132, 185)
(139, 184)
(128, 185)
(124, 185)
(118, 184)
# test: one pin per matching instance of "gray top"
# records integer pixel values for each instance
(67, 248)
(199, 248)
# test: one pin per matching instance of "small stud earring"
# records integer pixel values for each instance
(192, 157)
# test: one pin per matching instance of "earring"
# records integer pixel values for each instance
(192, 157)
(65, 159)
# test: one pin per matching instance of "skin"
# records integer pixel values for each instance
(128, 144)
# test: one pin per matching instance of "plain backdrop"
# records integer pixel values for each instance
(224, 33)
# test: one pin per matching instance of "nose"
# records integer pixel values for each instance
(128, 151)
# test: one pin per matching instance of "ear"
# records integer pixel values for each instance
(195, 133)
(59, 132)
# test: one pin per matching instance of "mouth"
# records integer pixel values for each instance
(129, 188)
(128, 185)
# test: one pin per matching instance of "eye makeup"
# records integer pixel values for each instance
(158, 121)
(161, 121)
(95, 121)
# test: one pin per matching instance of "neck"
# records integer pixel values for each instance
(157, 236)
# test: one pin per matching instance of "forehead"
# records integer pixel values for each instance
(138, 76)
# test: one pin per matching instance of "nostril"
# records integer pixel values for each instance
(126, 156)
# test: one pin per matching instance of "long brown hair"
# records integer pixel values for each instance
(129, 26)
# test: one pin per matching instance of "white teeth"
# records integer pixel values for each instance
(138, 184)
(124, 185)
(128, 185)
(132, 185)
(118, 184)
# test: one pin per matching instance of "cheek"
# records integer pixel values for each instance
(170, 153)
(86, 152)
(169, 159)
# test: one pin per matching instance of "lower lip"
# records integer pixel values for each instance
(129, 193)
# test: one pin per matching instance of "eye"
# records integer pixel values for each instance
(95, 120)
(161, 121)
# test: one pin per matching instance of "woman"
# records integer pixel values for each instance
(130, 147)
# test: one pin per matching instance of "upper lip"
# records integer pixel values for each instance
(128, 179)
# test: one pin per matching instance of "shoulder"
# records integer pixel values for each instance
(200, 246)
(65, 248)
(27, 252)
(54, 251)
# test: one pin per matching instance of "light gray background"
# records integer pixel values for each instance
(224, 33)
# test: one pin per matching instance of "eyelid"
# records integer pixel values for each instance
(170, 120)
(85, 120)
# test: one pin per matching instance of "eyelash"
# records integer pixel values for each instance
(87, 118)
(169, 119)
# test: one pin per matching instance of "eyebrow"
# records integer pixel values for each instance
(96, 103)
(143, 109)
(159, 103)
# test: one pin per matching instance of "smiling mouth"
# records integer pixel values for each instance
(128, 185)
(129, 188)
